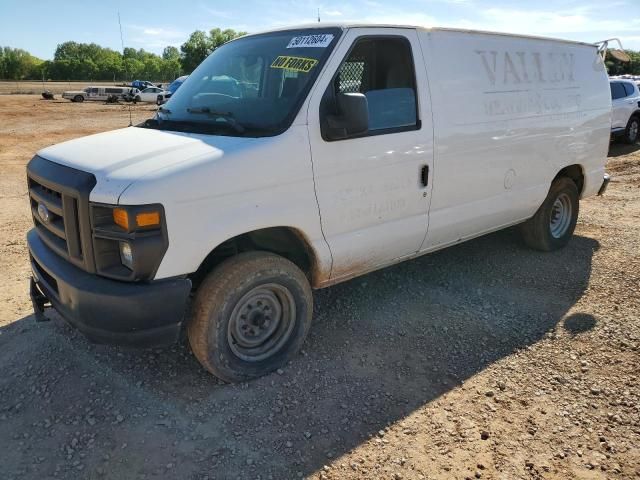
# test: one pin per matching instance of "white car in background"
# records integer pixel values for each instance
(625, 115)
(150, 94)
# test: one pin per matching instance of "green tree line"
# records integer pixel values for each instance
(89, 61)
(616, 67)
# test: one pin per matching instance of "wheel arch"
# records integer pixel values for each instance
(576, 173)
(289, 242)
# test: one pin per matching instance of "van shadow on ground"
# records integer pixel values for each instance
(381, 347)
(619, 149)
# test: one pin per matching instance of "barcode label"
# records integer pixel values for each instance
(322, 40)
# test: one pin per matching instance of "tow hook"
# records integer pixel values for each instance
(39, 302)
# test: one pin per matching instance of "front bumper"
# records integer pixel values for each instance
(107, 311)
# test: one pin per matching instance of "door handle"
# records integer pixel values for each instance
(424, 175)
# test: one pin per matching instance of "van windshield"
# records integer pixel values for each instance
(252, 86)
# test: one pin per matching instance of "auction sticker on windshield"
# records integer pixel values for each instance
(320, 40)
(297, 64)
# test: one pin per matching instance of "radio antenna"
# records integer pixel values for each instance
(318, 14)
(126, 73)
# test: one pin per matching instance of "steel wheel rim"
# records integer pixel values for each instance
(561, 214)
(261, 322)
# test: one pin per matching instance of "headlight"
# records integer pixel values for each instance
(126, 255)
(129, 241)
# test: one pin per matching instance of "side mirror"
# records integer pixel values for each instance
(352, 118)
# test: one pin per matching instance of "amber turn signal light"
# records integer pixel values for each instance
(148, 219)
(142, 219)
(121, 218)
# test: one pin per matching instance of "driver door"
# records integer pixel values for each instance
(374, 190)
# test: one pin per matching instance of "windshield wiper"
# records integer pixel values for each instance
(227, 116)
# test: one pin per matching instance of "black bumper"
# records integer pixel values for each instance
(107, 311)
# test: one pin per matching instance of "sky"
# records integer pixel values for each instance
(39, 26)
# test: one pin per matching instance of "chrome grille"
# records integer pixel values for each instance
(59, 199)
(61, 230)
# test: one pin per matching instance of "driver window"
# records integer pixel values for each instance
(382, 69)
(242, 78)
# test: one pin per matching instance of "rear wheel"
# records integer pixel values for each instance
(250, 316)
(78, 98)
(632, 132)
(553, 224)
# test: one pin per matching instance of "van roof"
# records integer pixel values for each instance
(347, 25)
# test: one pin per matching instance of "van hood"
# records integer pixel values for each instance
(120, 157)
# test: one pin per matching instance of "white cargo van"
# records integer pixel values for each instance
(299, 158)
(98, 93)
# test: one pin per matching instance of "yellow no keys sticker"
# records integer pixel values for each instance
(297, 64)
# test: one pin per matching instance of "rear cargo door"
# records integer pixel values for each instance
(374, 190)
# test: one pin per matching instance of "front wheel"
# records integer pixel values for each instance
(78, 98)
(250, 316)
(632, 132)
(553, 224)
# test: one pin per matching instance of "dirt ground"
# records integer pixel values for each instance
(485, 360)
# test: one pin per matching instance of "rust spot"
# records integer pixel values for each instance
(350, 269)
(317, 275)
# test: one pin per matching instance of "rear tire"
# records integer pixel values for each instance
(632, 132)
(553, 224)
(250, 316)
(78, 99)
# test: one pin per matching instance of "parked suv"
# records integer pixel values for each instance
(171, 89)
(625, 116)
(300, 158)
(141, 84)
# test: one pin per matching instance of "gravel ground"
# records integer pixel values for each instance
(485, 360)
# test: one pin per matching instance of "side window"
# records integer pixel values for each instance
(617, 90)
(628, 88)
(382, 69)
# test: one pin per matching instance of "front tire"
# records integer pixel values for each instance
(632, 132)
(553, 224)
(250, 316)
(78, 99)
